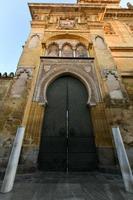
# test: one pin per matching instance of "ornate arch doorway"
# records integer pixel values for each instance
(67, 141)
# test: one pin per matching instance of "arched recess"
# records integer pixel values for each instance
(34, 41)
(100, 43)
(53, 50)
(48, 39)
(41, 91)
(81, 51)
(67, 50)
(52, 79)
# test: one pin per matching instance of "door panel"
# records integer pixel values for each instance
(54, 144)
(81, 146)
(82, 161)
(53, 154)
(55, 114)
(79, 116)
(67, 141)
(52, 162)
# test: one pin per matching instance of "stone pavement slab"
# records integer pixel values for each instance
(71, 186)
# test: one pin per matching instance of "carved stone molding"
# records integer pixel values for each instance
(130, 26)
(20, 80)
(27, 70)
(115, 88)
(66, 23)
(106, 72)
(108, 29)
(82, 70)
(46, 68)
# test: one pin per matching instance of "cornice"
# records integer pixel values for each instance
(97, 1)
(124, 49)
(127, 74)
(91, 9)
(119, 12)
(87, 26)
(48, 8)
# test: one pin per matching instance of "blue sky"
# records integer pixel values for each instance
(15, 27)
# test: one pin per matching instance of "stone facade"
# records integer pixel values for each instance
(90, 40)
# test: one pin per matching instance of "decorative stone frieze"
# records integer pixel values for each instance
(116, 92)
(106, 72)
(7, 75)
(108, 29)
(131, 27)
(66, 23)
(36, 17)
(51, 69)
(27, 70)
(47, 68)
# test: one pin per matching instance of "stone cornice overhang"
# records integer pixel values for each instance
(36, 8)
(43, 8)
(118, 12)
(70, 58)
(122, 49)
(92, 25)
(97, 1)
(127, 74)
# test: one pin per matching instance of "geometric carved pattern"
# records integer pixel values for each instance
(66, 23)
(82, 69)
(106, 72)
(108, 29)
(131, 27)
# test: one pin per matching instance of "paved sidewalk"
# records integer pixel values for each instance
(73, 186)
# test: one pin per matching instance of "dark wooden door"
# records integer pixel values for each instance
(67, 142)
(81, 146)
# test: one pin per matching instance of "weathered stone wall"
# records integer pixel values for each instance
(13, 97)
(128, 82)
(119, 37)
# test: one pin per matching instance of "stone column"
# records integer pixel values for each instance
(43, 49)
(13, 162)
(60, 52)
(113, 90)
(123, 160)
(74, 52)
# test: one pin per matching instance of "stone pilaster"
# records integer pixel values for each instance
(113, 91)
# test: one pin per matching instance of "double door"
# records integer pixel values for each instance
(67, 141)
